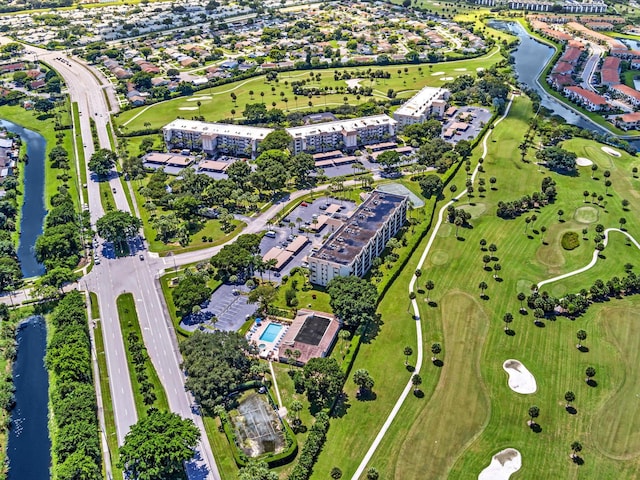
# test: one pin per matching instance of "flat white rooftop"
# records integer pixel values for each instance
(195, 126)
(352, 125)
(417, 104)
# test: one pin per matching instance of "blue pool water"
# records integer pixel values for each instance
(271, 332)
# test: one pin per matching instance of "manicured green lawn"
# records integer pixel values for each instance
(129, 324)
(468, 413)
(304, 295)
(216, 102)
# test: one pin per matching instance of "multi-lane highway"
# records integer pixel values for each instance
(113, 277)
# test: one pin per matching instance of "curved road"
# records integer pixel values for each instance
(594, 259)
(416, 314)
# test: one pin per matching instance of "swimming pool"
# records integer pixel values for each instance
(271, 332)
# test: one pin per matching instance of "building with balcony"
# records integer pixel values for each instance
(428, 102)
(351, 249)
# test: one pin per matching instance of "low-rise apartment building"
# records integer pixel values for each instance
(628, 121)
(628, 94)
(342, 134)
(214, 138)
(426, 103)
(351, 249)
(590, 100)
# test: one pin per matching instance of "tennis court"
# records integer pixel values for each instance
(257, 425)
(312, 330)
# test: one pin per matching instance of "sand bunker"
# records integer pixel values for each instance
(480, 69)
(520, 379)
(187, 108)
(437, 73)
(611, 151)
(196, 99)
(503, 465)
(583, 162)
(446, 79)
(353, 82)
(460, 69)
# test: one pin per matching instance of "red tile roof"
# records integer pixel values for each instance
(591, 97)
(628, 91)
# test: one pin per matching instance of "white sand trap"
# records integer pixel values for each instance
(480, 69)
(187, 108)
(503, 464)
(353, 82)
(460, 69)
(583, 162)
(611, 151)
(435, 74)
(446, 79)
(521, 380)
(196, 99)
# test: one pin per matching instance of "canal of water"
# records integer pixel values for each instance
(29, 447)
(33, 209)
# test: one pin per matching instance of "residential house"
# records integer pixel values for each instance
(590, 100)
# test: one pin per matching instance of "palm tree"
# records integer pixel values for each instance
(496, 268)
(416, 380)
(435, 349)
(458, 223)
(297, 354)
(486, 259)
(344, 335)
(493, 248)
(408, 351)
(269, 266)
(560, 214)
(590, 372)
(534, 412)
(569, 397)
(543, 229)
(622, 222)
(576, 447)
(482, 286)
(594, 167)
(521, 298)
(288, 353)
(582, 336)
(585, 194)
(363, 380)
(483, 244)
(507, 319)
(429, 286)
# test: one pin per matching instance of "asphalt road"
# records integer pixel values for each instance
(113, 277)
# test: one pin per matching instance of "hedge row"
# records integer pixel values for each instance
(75, 435)
(312, 447)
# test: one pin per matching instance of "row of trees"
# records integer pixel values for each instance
(10, 273)
(546, 195)
(76, 443)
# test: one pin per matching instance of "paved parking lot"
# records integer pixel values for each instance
(228, 304)
(481, 117)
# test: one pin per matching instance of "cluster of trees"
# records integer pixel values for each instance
(10, 273)
(238, 258)
(312, 447)
(118, 226)
(321, 379)
(61, 245)
(8, 351)
(490, 88)
(191, 291)
(102, 162)
(458, 216)
(558, 159)
(430, 185)
(52, 85)
(420, 133)
(157, 446)
(216, 364)
(442, 155)
(76, 442)
(140, 357)
(546, 195)
(353, 300)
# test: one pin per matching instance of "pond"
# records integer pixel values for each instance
(33, 209)
(29, 448)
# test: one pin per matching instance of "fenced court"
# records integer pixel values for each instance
(399, 189)
(258, 428)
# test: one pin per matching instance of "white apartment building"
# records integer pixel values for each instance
(214, 138)
(342, 134)
(351, 249)
(427, 102)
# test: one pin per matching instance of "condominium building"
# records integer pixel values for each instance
(427, 102)
(628, 94)
(342, 134)
(569, 6)
(214, 138)
(351, 249)
(590, 100)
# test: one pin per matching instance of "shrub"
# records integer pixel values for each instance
(570, 240)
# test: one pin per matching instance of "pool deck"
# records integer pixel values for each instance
(271, 349)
